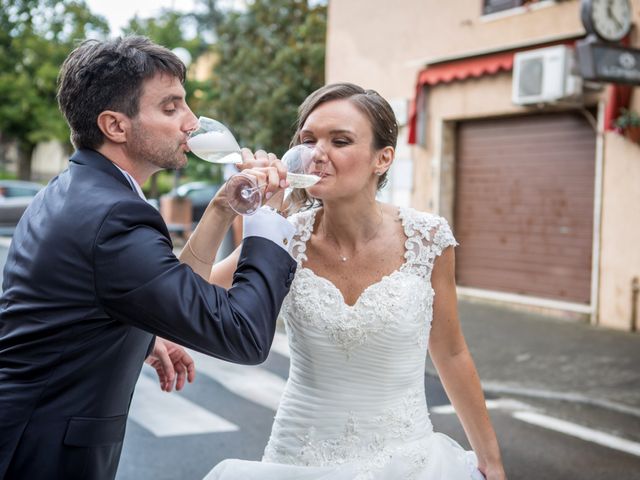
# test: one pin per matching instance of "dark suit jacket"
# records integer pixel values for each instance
(90, 279)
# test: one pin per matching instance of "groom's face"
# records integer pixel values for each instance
(159, 132)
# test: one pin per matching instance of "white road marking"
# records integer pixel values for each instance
(168, 414)
(584, 433)
(250, 382)
(500, 403)
(575, 397)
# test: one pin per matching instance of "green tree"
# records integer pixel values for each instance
(35, 38)
(271, 56)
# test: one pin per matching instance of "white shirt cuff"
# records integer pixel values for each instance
(266, 223)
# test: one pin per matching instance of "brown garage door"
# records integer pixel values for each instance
(524, 205)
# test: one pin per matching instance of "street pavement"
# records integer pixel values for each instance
(537, 356)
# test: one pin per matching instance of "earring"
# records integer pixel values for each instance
(379, 173)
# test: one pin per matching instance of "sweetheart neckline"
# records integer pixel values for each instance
(366, 289)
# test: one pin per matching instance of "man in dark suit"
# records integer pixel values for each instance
(91, 278)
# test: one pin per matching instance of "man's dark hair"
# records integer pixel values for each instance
(109, 75)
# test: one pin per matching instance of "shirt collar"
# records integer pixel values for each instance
(133, 183)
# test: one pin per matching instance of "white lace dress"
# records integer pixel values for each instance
(354, 405)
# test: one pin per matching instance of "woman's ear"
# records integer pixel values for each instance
(114, 126)
(385, 159)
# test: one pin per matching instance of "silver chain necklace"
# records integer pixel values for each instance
(375, 233)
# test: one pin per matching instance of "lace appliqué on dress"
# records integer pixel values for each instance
(371, 452)
(303, 221)
(349, 327)
(427, 237)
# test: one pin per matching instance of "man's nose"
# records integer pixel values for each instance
(191, 123)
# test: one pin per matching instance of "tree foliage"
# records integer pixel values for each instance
(270, 57)
(35, 38)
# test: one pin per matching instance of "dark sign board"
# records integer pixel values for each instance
(492, 6)
(608, 63)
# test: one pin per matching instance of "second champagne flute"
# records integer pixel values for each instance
(305, 167)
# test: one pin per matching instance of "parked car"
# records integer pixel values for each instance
(200, 194)
(15, 197)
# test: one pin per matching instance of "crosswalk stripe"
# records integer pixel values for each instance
(492, 404)
(168, 414)
(579, 431)
(250, 382)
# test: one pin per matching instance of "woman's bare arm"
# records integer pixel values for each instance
(222, 272)
(457, 370)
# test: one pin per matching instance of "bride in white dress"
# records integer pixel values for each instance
(374, 288)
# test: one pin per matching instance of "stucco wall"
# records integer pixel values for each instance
(382, 45)
(620, 251)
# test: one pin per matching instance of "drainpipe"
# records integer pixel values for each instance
(635, 291)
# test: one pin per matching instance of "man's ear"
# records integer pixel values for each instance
(385, 159)
(114, 126)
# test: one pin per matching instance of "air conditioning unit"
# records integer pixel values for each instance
(544, 76)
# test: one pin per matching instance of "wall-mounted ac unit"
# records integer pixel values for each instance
(544, 76)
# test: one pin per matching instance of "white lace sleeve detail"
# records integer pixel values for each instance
(303, 221)
(428, 236)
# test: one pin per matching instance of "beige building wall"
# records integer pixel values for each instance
(620, 230)
(48, 160)
(383, 45)
(620, 251)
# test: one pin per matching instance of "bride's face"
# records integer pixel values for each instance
(344, 136)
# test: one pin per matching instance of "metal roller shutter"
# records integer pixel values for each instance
(524, 205)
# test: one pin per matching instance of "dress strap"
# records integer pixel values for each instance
(428, 236)
(303, 221)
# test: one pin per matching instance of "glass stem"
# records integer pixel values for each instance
(248, 191)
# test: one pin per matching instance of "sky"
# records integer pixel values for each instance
(119, 12)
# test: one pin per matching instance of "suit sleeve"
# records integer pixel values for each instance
(139, 281)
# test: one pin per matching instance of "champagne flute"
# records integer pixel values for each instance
(213, 142)
(304, 169)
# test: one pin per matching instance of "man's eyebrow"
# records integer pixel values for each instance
(171, 98)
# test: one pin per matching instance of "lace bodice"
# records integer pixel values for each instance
(356, 380)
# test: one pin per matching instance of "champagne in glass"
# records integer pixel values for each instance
(212, 141)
